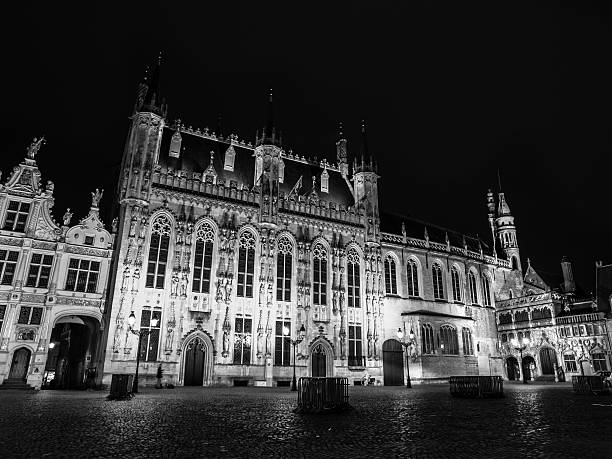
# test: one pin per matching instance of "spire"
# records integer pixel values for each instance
(269, 136)
(364, 164)
(340, 132)
(152, 100)
(364, 141)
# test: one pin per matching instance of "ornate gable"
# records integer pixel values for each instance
(90, 230)
(25, 178)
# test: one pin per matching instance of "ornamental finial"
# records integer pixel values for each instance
(34, 147)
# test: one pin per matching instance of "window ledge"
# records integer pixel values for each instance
(357, 368)
(459, 302)
(440, 300)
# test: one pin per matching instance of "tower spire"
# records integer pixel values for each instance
(269, 136)
(152, 100)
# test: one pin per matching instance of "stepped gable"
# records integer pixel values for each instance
(195, 157)
(392, 223)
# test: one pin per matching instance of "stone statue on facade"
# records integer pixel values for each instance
(183, 287)
(34, 147)
(96, 197)
(67, 217)
(175, 284)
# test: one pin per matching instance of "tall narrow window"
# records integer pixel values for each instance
(319, 275)
(82, 275)
(352, 265)
(282, 344)
(8, 263)
(230, 156)
(486, 291)
(283, 269)
(456, 284)
(242, 341)
(570, 363)
(355, 345)
(438, 287)
(390, 278)
(205, 237)
(40, 270)
(16, 216)
(2, 314)
(149, 344)
(325, 181)
(472, 286)
(413, 278)
(468, 348)
(158, 252)
(246, 265)
(449, 342)
(427, 339)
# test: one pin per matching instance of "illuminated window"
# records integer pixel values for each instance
(284, 266)
(282, 344)
(205, 238)
(390, 278)
(352, 265)
(449, 340)
(319, 275)
(158, 252)
(246, 265)
(149, 345)
(242, 341)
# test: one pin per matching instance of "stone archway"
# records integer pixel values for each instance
(321, 358)
(528, 367)
(197, 360)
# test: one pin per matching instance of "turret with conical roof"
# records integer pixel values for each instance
(506, 231)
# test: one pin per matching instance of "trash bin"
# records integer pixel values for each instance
(121, 386)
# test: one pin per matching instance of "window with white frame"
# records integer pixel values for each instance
(202, 266)
(472, 287)
(8, 264)
(599, 361)
(242, 341)
(412, 272)
(353, 279)
(282, 344)
(448, 340)
(570, 363)
(284, 265)
(438, 285)
(30, 315)
(390, 276)
(246, 264)
(468, 348)
(40, 270)
(355, 344)
(486, 291)
(158, 252)
(149, 345)
(16, 216)
(455, 280)
(82, 275)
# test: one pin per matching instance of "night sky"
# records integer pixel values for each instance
(451, 91)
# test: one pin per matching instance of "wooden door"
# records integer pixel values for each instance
(318, 362)
(393, 363)
(19, 366)
(548, 358)
(194, 363)
(512, 367)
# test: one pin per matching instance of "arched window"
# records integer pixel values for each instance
(521, 316)
(205, 238)
(449, 341)
(505, 318)
(246, 264)
(427, 339)
(319, 274)
(456, 284)
(413, 278)
(468, 348)
(504, 338)
(352, 265)
(284, 258)
(390, 278)
(473, 291)
(438, 287)
(486, 291)
(158, 252)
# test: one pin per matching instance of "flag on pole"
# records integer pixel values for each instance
(297, 186)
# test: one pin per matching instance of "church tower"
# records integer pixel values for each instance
(365, 188)
(267, 160)
(506, 232)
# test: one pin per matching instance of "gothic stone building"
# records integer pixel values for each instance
(234, 247)
(52, 284)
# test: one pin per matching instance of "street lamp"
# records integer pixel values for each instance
(521, 346)
(294, 343)
(405, 344)
(141, 334)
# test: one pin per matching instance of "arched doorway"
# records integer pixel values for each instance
(194, 363)
(73, 346)
(393, 363)
(20, 364)
(528, 367)
(512, 369)
(548, 358)
(319, 361)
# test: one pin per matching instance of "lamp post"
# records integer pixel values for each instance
(521, 346)
(294, 343)
(405, 344)
(141, 334)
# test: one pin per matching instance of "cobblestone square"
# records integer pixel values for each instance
(531, 421)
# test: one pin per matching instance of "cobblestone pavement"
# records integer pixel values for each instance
(531, 421)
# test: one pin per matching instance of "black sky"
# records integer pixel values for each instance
(451, 91)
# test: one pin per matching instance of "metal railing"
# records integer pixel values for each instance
(476, 386)
(316, 395)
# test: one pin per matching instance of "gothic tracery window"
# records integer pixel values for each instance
(352, 265)
(284, 265)
(319, 274)
(486, 291)
(158, 252)
(242, 341)
(468, 348)
(456, 284)
(438, 287)
(472, 286)
(205, 237)
(413, 278)
(448, 340)
(427, 339)
(390, 277)
(246, 264)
